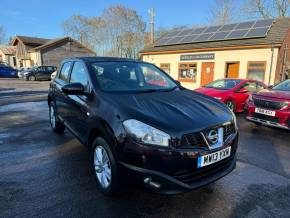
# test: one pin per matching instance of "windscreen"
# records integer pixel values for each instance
(283, 86)
(131, 77)
(224, 84)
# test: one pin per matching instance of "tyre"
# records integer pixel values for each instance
(105, 167)
(55, 124)
(231, 105)
(31, 78)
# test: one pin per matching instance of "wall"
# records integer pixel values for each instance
(35, 58)
(55, 54)
(221, 57)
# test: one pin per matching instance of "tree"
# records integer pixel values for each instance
(268, 8)
(2, 35)
(222, 12)
(119, 31)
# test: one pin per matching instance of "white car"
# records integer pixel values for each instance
(52, 76)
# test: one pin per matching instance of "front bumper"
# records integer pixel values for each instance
(176, 172)
(281, 119)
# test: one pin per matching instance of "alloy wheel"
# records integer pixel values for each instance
(102, 166)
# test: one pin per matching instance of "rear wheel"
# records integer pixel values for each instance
(231, 105)
(105, 167)
(55, 124)
(31, 78)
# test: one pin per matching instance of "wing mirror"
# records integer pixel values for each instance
(73, 89)
(243, 90)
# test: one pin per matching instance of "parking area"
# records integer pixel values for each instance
(47, 175)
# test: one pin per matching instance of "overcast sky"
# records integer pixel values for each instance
(43, 18)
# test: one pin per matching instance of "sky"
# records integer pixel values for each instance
(44, 18)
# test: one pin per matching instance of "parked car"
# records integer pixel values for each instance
(21, 71)
(39, 73)
(7, 71)
(271, 106)
(166, 138)
(232, 92)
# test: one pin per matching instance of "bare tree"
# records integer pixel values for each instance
(267, 8)
(119, 31)
(222, 12)
(2, 35)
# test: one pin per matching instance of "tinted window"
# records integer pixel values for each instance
(131, 76)
(249, 86)
(79, 75)
(64, 72)
(224, 84)
(283, 86)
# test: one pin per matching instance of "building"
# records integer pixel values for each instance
(32, 51)
(195, 57)
(8, 55)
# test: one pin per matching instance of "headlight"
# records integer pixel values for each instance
(234, 119)
(145, 133)
(250, 99)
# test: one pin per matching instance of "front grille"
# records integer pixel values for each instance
(197, 140)
(265, 117)
(229, 130)
(274, 105)
(189, 177)
(192, 140)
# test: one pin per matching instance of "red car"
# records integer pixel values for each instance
(233, 92)
(272, 106)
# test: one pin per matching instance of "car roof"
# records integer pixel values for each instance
(102, 59)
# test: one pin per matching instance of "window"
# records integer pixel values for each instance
(256, 70)
(224, 84)
(131, 77)
(165, 68)
(249, 86)
(187, 72)
(79, 75)
(64, 72)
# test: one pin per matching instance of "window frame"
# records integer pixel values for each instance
(187, 68)
(257, 62)
(88, 88)
(59, 73)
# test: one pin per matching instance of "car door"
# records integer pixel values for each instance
(79, 104)
(241, 97)
(61, 100)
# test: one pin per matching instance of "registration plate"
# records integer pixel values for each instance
(265, 112)
(213, 157)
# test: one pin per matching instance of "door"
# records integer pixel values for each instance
(242, 94)
(79, 104)
(207, 73)
(233, 70)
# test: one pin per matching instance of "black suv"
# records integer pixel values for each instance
(39, 73)
(138, 121)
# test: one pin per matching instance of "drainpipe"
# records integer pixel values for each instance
(284, 63)
(271, 65)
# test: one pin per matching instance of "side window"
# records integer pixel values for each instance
(249, 86)
(79, 75)
(64, 72)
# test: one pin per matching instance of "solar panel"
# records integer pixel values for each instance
(257, 32)
(212, 29)
(188, 39)
(203, 37)
(219, 36)
(228, 27)
(199, 30)
(250, 29)
(245, 25)
(263, 23)
(237, 34)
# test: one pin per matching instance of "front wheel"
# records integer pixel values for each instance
(31, 78)
(105, 167)
(55, 124)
